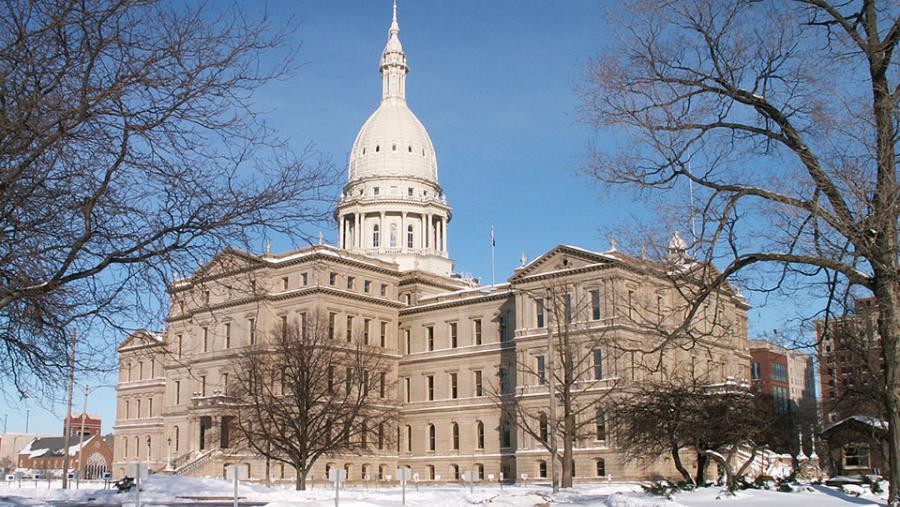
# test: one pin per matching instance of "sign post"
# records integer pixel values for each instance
(469, 476)
(403, 475)
(36, 478)
(138, 471)
(337, 475)
(106, 477)
(235, 472)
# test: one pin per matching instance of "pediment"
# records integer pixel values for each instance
(141, 337)
(562, 258)
(228, 261)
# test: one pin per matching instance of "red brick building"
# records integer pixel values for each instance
(46, 456)
(92, 425)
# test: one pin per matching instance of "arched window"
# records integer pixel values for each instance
(480, 468)
(601, 467)
(455, 470)
(505, 434)
(137, 447)
(431, 472)
(601, 424)
(382, 469)
(409, 236)
(327, 470)
(479, 434)
(376, 239)
(381, 435)
(393, 235)
(365, 472)
(543, 428)
(455, 436)
(431, 437)
(347, 470)
(542, 469)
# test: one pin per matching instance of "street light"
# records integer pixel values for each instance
(169, 454)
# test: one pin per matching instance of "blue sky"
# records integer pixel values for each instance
(493, 82)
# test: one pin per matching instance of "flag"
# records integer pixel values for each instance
(493, 240)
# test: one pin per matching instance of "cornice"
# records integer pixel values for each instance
(455, 303)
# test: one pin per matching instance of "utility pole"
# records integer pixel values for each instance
(81, 439)
(27, 417)
(67, 427)
(551, 386)
(5, 417)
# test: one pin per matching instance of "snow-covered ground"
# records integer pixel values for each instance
(162, 490)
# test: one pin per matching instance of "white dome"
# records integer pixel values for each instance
(393, 143)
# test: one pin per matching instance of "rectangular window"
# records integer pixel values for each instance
(381, 383)
(567, 299)
(149, 407)
(348, 380)
(755, 372)
(779, 372)
(350, 282)
(384, 290)
(477, 324)
(429, 338)
(330, 378)
(284, 327)
(454, 393)
(177, 392)
(630, 304)
(366, 324)
(349, 328)
(856, 456)
(284, 283)
(304, 279)
(179, 339)
(541, 372)
(224, 387)
(478, 390)
(429, 382)
(251, 326)
(205, 339)
(409, 191)
(595, 304)
(501, 328)
(408, 340)
(227, 335)
(203, 385)
(383, 337)
(407, 389)
(376, 190)
(539, 308)
(598, 364)
(453, 335)
(332, 278)
(367, 286)
(331, 318)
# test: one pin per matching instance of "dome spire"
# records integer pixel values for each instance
(393, 63)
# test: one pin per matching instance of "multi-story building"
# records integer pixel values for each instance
(455, 348)
(788, 377)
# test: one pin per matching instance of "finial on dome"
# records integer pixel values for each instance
(395, 27)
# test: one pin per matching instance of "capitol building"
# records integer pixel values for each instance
(451, 342)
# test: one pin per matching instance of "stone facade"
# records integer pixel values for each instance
(455, 348)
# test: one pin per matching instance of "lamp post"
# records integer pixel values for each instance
(148, 454)
(169, 454)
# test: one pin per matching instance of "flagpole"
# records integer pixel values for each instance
(493, 246)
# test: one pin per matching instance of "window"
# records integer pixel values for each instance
(348, 380)
(350, 282)
(478, 390)
(431, 437)
(408, 438)
(177, 437)
(393, 236)
(501, 327)
(429, 382)
(409, 190)
(284, 327)
(205, 339)
(381, 434)
(542, 469)
(541, 373)
(304, 278)
(127, 410)
(543, 428)
(284, 283)
(455, 469)
(227, 335)
(755, 372)
(631, 304)
(595, 304)
(381, 384)
(856, 456)
(453, 335)
(367, 286)
(407, 391)
(376, 190)
(505, 434)
(331, 318)
(600, 422)
(539, 307)
(251, 327)
(202, 387)
(779, 372)
(455, 436)
(454, 393)
(409, 233)
(384, 290)
(383, 335)
(780, 396)
(332, 278)
(408, 340)
(330, 379)
(429, 338)
(366, 324)
(349, 328)
(567, 299)
(179, 341)
(206, 297)
(477, 324)
(480, 468)
(601, 467)
(598, 364)
(177, 392)
(376, 234)
(479, 435)
(224, 387)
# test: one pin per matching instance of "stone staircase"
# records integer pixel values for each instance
(198, 461)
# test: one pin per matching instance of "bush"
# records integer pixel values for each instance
(876, 488)
(659, 488)
(785, 487)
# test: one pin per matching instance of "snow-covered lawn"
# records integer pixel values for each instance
(162, 490)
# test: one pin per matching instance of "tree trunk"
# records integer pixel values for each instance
(888, 299)
(676, 458)
(702, 460)
(300, 482)
(568, 449)
(729, 476)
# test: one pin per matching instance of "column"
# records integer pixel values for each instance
(430, 239)
(403, 244)
(423, 242)
(383, 233)
(444, 234)
(357, 233)
(342, 226)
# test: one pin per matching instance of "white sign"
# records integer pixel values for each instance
(37, 477)
(403, 474)
(524, 477)
(107, 475)
(10, 477)
(469, 476)
(70, 475)
(337, 475)
(137, 470)
(490, 477)
(437, 477)
(241, 472)
(367, 477)
(416, 476)
(388, 477)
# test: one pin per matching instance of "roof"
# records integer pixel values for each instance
(873, 422)
(52, 446)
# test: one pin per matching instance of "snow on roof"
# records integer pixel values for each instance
(480, 289)
(864, 419)
(52, 446)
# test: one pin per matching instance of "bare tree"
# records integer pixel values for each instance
(570, 365)
(129, 150)
(303, 394)
(782, 116)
